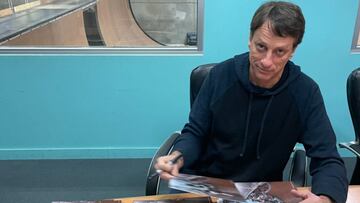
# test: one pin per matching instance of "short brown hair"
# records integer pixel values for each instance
(285, 19)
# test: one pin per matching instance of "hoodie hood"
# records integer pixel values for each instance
(242, 64)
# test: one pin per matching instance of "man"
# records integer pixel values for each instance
(252, 109)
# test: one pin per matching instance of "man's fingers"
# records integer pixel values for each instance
(299, 194)
(166, 165)
(175, 170)
(166, 176)
(163, 163)
(309, 197)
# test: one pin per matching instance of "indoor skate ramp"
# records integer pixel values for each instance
(118, 26)
(61, 24)
(67, 31)
(52, 23)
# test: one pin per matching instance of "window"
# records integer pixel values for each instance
(101, 26)
(355, 47)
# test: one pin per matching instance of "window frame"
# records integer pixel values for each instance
(167, 50)
(355, 46)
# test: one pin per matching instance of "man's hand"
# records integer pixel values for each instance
(309, 197)
(168, 169)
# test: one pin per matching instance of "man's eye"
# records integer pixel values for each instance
(280, 52)
(260, 47)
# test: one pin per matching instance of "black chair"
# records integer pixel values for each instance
(353, 97)
(298, 167)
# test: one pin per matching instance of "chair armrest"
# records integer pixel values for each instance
(353, 146)
(298, 168)
(152, 185)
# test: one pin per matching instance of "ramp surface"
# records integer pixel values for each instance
(118, 26)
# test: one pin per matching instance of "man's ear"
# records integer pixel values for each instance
(249, 42)
(293, 52)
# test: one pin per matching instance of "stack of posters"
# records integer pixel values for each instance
(229, 191)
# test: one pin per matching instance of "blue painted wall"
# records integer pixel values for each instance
(124, 106)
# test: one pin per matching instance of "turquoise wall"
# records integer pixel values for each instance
(124, 106)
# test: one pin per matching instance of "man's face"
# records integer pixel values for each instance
(268, 56)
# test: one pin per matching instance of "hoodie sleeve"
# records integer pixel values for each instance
(326, 167)
(195, 132)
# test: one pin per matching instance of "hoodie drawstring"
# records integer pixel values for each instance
(262, 127)
(247, 126)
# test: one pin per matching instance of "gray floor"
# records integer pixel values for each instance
(44, 181)
(49, 180)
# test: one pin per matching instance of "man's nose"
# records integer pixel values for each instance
(267, 60)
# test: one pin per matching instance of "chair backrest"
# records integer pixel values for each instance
(197, 78)
(353, 97)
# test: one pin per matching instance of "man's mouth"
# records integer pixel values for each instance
(261, 69)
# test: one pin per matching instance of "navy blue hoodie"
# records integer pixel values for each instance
(242, 132)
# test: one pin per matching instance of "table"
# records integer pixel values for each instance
(353, 195)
